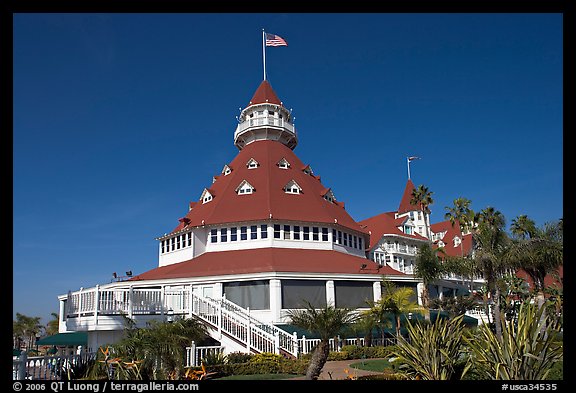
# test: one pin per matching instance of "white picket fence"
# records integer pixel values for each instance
(48, 367)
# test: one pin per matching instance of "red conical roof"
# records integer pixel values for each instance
(405, 205)
(265, 94)
(269, 200)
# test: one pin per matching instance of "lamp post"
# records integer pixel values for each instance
(37, 339)
(170, 315)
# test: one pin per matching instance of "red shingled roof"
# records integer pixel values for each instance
(385, 223)
(549, 281)
(445, 226)
(265, 94)
(267, 260)
(269, 200)
(405, 205)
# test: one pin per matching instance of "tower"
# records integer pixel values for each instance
(265, 118)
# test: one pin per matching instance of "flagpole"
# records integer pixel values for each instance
(408, 162)
(264, 51)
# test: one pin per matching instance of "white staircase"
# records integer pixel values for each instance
(229, 322)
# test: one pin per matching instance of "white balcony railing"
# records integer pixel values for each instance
(223, 315)
(264, 121)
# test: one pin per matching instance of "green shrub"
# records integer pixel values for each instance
(355, 352)
(239, 357)
(338, 356)
(265, 363)
(213, 358)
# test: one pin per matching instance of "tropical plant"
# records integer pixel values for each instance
(460, 214)
(364, 325)
(431, 351)
(52, 327)
(454, 305)
(398, 301)
(537, 251)
(463, 266)
(326, 322)
(24, 329)
(490, 245)
(429, 269)
(422, 197)
(158, 350)
(523, 227)
(526, 351)
(377, 316)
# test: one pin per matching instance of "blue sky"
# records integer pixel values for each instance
(120, 120)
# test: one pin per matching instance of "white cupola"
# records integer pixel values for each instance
(265, 118)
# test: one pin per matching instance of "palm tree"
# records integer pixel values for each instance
(422, 197)
(365, 324)
(537, 251)
(463, 266)
(460, 213)
(429, 269)
(378, 314)
(52, 327)
(523, 227)
(25, 328)
(326, 322)
(160, 347)
(398, 301)
(490, 246)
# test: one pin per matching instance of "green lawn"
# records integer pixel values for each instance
(258, 377)
(378, 365)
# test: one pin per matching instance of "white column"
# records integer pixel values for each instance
(330, 293)
(377, 290)
(190, 292)
(62, 317)
(440, 290)
(248, 334)
(162, 291)
(218, 290)
(96, 303)
(80, 303)
(130, 302)
(275, 300)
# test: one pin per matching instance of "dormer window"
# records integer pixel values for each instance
(206, 196)
(226, 170)
(283, 164)
(244, 188)
(252, 163)
(308, 170)
(292, 188)
(329, 196)
(441, 243)
(457, 241)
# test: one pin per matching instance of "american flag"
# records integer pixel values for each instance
(275, 40)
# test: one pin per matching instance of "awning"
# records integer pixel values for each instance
(65, 339)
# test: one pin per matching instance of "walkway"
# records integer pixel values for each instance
(334, 370)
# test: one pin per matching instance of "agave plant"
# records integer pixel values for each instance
(528, 351)
(431, 351)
